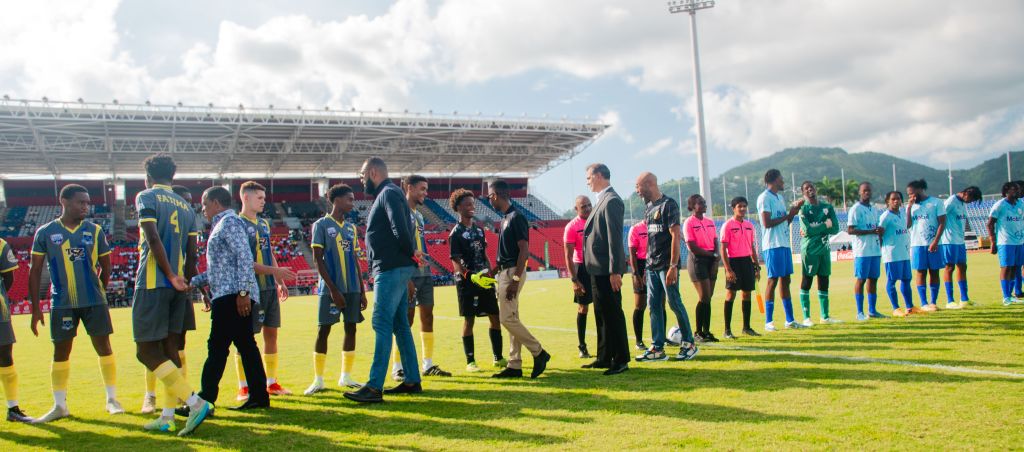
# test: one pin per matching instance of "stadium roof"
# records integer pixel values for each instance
(60, 138)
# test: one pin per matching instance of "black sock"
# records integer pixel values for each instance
(746, 314)
(728, 316)
(707, 317)
(581, 329)
(700, 317)
(468, 348)
(495, 342)
(638, 325)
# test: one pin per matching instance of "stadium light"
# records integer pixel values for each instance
(691, 7)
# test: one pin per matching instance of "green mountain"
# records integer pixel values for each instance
(814, 164)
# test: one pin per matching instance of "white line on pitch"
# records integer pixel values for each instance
(862, 359)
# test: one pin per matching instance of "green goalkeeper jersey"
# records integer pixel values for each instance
(814, 228)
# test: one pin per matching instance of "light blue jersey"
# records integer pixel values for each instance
(956, 217)
(1009, 222)
(896, 239)
(864, 218)
(925, 225)
(778, 236)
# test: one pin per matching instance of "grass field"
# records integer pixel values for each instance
(948, 380)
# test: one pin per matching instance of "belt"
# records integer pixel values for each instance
(505, 267)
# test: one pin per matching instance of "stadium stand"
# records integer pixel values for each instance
(484, 211)
(538, 208)
(441, 210)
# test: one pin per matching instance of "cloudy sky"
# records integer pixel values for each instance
(937, 81)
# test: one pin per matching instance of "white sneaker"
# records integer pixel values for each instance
(114, 407)
(831, 321)
(348, 382)
(794, 326)
(808, 323)
(953, 305)
(149, 404)
(1008, 301)
(317, 386)
(769, 327)
(58, 412)
(472, 367)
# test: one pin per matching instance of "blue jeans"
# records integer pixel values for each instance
(656, 292)
(391, 316)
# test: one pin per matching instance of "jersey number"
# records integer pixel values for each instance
(174, 222)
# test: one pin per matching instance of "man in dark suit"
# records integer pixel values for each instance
(605, 259)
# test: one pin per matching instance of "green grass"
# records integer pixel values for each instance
(728, 398)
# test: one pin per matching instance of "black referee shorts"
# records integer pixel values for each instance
(584, 278)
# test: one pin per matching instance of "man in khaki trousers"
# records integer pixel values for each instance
(510, 275)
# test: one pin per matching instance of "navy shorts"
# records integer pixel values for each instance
(779, 262)
(329, 313)
(898, 271)
(921, 259)
(867, 267)
(953, 254)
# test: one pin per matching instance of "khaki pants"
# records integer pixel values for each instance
(508, 314)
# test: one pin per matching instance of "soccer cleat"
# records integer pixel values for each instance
(114, 407)
(149, 404)
(58, 412)
(160, 425)
(472, 367)
(316, 387)
(436, 371)
(500, 363)
(794, 326)
(196, 418)
(584, 353)
(243, 394)
(861, 317)
(877, 315)
(915, 310)
(807, 322)
(398, 375)
(641, 346)
(276, 389)
(1018, 300)
(751, 332)
(929, 308)
(14, 414)
(953, 305)
(1007, 301)
(831, 321)
(770, 327)
(687, 352)
(899, 312)
(710, 337)
(347, 381)
(652, 354)
(728, 334)
(698, 338)
(965, 303)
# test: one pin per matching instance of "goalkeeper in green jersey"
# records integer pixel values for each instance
(817, 222)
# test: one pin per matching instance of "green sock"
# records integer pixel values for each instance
(823, 301)
(805, 303)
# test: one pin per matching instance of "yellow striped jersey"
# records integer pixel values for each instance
(175, 221)
(72, 255)
(340, 244)
(8, 263)
(258, 232)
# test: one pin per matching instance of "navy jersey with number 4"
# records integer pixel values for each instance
(175, 222)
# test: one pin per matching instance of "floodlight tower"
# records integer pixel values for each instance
(691, 7)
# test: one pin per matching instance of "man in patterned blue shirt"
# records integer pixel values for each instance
(954, 252)
(232, 283)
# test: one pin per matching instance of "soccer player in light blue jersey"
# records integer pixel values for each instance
(862, 224)
(775, 218)
(1006, 228)
(896, 255)
(926, 220)
(954, 252)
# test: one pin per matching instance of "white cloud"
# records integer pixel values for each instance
(656, 147)
(616, 129)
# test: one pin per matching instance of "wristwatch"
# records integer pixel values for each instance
(515, 277)
(243, 293)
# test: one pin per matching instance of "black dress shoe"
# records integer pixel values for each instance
(540, 363)
(252, 405)
(596, 365)
(365, 395)
(509, 373)
(405, 389)
(617, 369)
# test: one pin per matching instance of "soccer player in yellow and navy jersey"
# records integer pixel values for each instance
(73, 249)
(8, 375)
(342, 293)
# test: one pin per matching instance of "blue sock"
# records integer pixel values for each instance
(963, 290)
(769, 310)
(872, 300)
(921, 293)
(935, 293)
(1017, 285)
(1006, 285)
(908, 295)
(787, 305)
(949, 291)
(890, 291)
(859, 298)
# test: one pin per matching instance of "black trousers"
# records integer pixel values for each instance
(226, 328)
(612, 326)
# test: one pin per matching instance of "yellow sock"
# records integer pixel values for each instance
(184, 370)
(270, 364)
(60, 373)
(150, 382)
(319, 363)
(170, 399)
(240, 371)
(9, 377)
(428, 345)
(348, 359)
(170, 375)
(108, 368)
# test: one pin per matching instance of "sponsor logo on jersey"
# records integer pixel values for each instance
(57, 239)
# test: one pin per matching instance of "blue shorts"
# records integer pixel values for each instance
(921, 259)
(898, 271)
(1010, 255)
(953, 254)
(779, 262)
(867, 267)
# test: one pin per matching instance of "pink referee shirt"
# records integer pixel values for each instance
(638, 239)
(574, 235)
(701, 231)
(738, 237)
